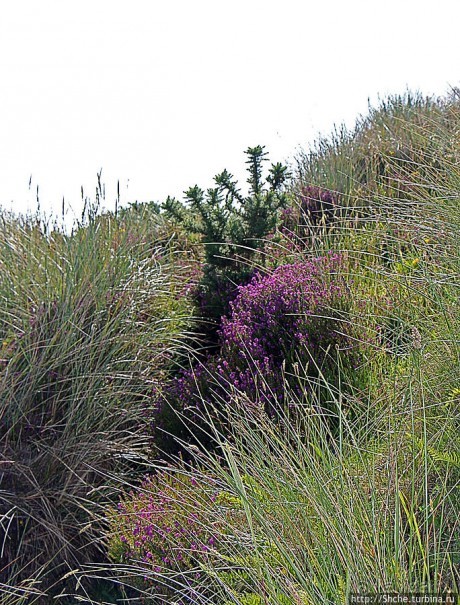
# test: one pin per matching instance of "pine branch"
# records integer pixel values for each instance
(225, 182)
(278, 176)
(256, 156)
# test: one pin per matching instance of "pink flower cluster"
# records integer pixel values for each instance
(275, 321)
(162, 523)
(279, 319)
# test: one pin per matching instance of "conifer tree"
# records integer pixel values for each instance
(232, 226)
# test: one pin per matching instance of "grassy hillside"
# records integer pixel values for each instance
(304, 446)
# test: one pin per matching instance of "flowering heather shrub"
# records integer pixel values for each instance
(278, 323)
(170, 526)
(282, 318)
(177, 527)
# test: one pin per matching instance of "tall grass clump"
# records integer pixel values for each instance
(300, 514)
(89, 322)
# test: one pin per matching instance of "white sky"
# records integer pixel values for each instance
(164, 94)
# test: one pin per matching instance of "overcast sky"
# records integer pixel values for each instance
(164, 94)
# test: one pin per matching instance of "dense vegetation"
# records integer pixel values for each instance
(242, 398)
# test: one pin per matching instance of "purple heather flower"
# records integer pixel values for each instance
(274, 321)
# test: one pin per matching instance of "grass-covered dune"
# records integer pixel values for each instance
(250, 397)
